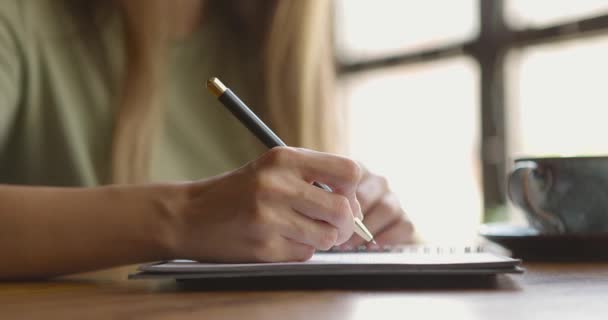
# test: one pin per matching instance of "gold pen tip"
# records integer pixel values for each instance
(216, 87)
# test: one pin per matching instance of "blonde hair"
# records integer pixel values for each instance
(299, 74)
(295, 43)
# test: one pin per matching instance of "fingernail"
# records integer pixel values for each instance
(360, 214)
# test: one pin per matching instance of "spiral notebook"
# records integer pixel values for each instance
(403, 260)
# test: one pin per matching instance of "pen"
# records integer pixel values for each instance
(240, 110)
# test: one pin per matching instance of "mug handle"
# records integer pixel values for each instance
(525, 171)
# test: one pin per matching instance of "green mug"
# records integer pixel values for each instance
(562, 195)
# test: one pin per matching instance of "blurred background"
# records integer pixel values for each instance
(444, 94)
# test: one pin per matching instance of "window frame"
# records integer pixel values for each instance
(489, 49)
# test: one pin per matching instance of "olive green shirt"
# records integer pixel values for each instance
(57, 100)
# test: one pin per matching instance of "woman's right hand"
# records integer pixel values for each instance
(268, 210)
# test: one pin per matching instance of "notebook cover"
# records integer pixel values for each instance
(417, 262)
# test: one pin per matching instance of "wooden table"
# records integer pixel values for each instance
(545, 291)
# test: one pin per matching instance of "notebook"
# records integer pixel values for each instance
(395, 261)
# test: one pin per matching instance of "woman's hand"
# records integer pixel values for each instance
(269, 210)
(382, 212)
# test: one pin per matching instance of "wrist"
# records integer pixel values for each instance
(162, 219)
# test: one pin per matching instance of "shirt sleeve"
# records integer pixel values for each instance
(10, 69)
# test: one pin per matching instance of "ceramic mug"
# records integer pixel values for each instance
(562, 195)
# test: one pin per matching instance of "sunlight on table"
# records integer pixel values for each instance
(411, 307)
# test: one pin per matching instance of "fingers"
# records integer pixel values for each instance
(302, 212)
(340, 173)
(398, 233)
(296, 251)
(284, 177)
(371, 189)
(281, 249)
(319, 205)
(382, 216)
(317, 234)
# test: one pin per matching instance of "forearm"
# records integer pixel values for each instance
(52, 231)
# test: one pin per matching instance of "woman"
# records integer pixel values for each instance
(103, 103)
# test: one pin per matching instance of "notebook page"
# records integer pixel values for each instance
(322, 261)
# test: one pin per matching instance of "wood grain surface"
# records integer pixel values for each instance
(545, 291)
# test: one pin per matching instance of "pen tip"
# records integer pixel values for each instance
(374, 242)
(216, 87)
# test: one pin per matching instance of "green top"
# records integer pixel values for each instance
(57, 101)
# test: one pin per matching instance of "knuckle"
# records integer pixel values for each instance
(328, 239)
(340, 209)
(279, 156)
(262, 250)
(390, 204)
(308, 253)
(409, 226)
(352, 170)
(384, 206)
(305, 253)
(259, 219)
(267, 184)
(258, 223)
(383, 182)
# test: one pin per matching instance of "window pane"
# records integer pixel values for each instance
(372, 28)
(418, 126)
(558, 98)
(539, 13)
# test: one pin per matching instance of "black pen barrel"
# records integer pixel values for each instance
(240, 110)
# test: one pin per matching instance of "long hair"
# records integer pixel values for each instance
(294, 41)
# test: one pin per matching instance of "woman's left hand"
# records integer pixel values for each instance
(382, 212)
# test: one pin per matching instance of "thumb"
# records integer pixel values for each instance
(355, 207)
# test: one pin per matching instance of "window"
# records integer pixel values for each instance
(416, 124)
(426, 142)
(558, 98)
(371, 29)
(443, 94)
(542, 13)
